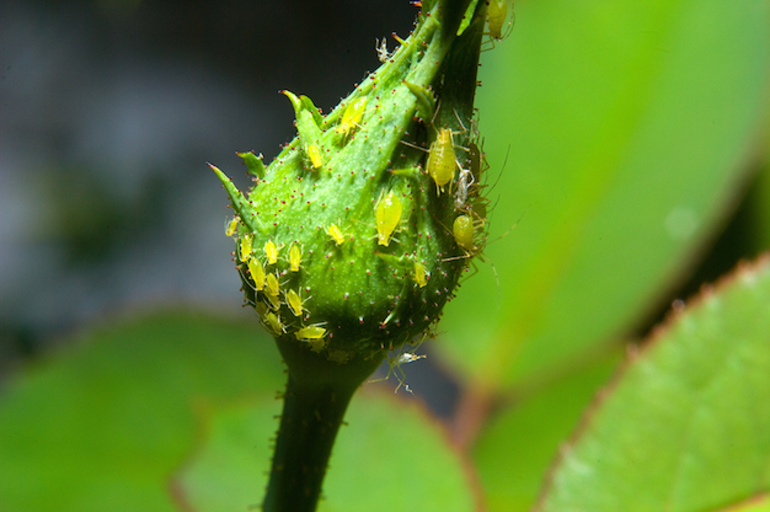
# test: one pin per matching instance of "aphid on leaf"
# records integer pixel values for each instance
(353, 114)
(273, 288)
(273, 323)
(315, 155)
(231, 226)
(388, 215)
(273, 291)
(463, 231)
(311, 332)
(394, 366)
(336, 234)
(257, 272)
(271, 251)
(382, 50)
(295, 258)
(442, 160)
(245, 247)
(314, 335)
(420, 275)
(497, 19)
(295, 302)
(464, 183)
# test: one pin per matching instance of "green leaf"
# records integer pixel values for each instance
(102, 425)
(687, 425)
(516, 448)
(754, 504)
(627, 125)
(391, 456)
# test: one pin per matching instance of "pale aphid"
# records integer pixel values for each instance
(388, 216)
(295, 302)
(275, 301)
(245, 247)
(311, 332)
(394, 366)
(314, 335)
(464, 183)
(271, 251)
(463, 231)
(420, 275)
(273, 288)
(336, 234)
(257, 272)
(273, 323)
(353, 114)
(382, 50)
(231, 226)
(498, 20)
(442, 160)
(315, 155)
(295, 258)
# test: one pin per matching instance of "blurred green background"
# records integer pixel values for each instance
(627, 144)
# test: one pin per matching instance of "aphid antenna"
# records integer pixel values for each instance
(414, 146)
(471, 263)
(500, 174)
(511, 228)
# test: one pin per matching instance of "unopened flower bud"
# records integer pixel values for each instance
(345, 243)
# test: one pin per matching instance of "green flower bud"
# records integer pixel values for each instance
(347, 243)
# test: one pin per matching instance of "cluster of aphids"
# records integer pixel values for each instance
(342, 223)
(443, 164)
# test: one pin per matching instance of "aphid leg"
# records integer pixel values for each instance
(394, 367)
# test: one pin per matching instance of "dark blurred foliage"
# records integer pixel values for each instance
(110, 110)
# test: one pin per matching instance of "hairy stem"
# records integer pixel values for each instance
(317, 395)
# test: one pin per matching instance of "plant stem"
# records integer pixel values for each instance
(317, 395)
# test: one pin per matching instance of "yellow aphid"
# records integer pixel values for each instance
(295, 303)
(497, 18)
(257, 273)
(271, 251)
(231, 227)
(311, 332)
(336, 234)
(273, 322)
(462, 229)
(352, 115)
(388, 216)
(420, 276)
(442, 160)
(245, 247)
(295, 258)
(275, 301)
(315, 155)
(273, 288)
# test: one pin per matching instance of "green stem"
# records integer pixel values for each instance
(317, 395)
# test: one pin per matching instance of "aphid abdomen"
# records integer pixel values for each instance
(245, 248)
(295, 258)
(257, 272)
(388, 216)
(294, 302)
(497, 12)
(462, 229)
(441, 159)
(271, 251)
